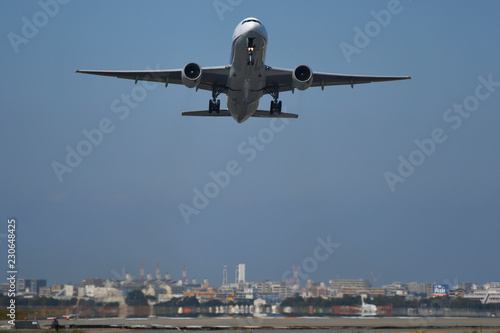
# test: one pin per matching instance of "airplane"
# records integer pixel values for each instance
(68, 316)
(246, 79)
(71, 316)
(367, 309)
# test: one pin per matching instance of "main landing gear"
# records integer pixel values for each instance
(275, 104)
(214, 103)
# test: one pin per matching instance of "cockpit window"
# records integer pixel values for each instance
(251, 20)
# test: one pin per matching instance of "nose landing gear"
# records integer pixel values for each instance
(250, 49)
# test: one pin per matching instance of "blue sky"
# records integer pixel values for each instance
(321, 176)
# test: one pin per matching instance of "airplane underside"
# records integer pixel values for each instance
(246, 79)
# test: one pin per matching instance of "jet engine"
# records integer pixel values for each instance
(191, 75)
(302, 77)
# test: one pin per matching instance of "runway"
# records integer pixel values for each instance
(304, 324)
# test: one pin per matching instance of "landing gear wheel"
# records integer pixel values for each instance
(275, 104)
(214, 103)
(275, 107)
(214, 106)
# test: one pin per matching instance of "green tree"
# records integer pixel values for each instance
(136, 298)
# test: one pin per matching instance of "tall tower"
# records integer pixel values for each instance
(236, 275)
(142, 272)
(158, 275)
(295, 275)
(241, 273)
(184, 275)
(224, 276)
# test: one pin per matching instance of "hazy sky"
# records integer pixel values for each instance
(399, 179)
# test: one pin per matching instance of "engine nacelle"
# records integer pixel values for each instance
(302, 77)
(191, 75)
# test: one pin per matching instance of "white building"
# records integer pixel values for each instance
(241, 273)
(485, 296)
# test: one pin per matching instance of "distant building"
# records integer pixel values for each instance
(4, 289)
(37, 284)
(21, 285)
(45, 292)
(272, 291)
(92, 282)
(339, 284)
(372, 292)
(178, 290)
(333, 293)
(56, 288)
(226, 292)
(494, 285)
(429, 290)
(467, 286)
(395, 289)
(485, 296)
(241, 273)
(457, 293)
(202, 295)
(92, 291)
(416, 288)
(30, 285)
(340, 288)
(317, 291)
(68, 291)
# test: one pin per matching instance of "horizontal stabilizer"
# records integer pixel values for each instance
(206, 113)
(225, 113)
(267, 114)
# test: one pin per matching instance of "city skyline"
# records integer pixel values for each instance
(374, 281)
(164, 289)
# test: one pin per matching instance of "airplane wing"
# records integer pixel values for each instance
(225, 113)
(209, 76)
(282, 78)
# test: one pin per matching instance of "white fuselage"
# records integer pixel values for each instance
(246, 80)
(367, 309)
